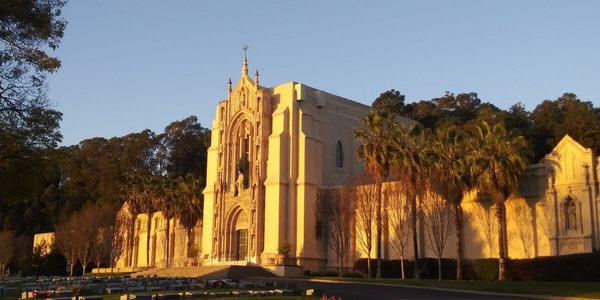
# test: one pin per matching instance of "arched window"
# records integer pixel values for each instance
(339, 155)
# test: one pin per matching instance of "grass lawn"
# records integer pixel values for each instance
(116, 296)
(276, 297)
(549, 288)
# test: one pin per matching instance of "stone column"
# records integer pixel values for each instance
(276, 184)
(309, 178)
(212, 171)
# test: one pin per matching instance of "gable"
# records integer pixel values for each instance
(568, 161)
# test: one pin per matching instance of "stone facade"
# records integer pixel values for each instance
(43, 242)
(136, 255)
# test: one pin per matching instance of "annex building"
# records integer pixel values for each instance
(273, 149)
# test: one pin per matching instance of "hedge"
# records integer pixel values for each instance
(391, 268)
(575, 267)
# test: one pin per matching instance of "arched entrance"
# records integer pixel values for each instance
(237, 235)
(241, 236)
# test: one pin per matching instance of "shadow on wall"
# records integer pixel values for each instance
(529, 226)
(520, 228)
(479, 216)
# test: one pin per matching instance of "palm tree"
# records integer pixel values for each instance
(135, 207)
(498, 159)
(410, 167)
(451, 151)
(168, 206)
(189, 204)
(374, 150)
(142, 198)
(149, 204)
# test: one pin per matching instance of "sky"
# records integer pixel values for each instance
(132, 65)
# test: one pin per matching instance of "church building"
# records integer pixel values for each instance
(272, 150)
(275, 149)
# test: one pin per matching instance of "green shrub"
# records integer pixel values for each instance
(36, 264)
(352, 274)
(389, 268)
(284, 248)
(193, 252)
(486, 269)
(427, 266)
(330, 273)
(573, 267)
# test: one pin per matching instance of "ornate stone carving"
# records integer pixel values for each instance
(241, 137)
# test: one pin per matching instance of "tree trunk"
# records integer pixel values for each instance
(501, 258)
(378, 230)
(458, 228)
(369, 265)
(130, 242)
(190, 236)
(83, 269)
(135, 251)
(72, 268)
(111, 260)
(167, 236)
(402, 267)
(340, 265)
(413, 204)
(439, 259)
(148, 228)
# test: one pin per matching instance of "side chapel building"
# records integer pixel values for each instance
(273, 149)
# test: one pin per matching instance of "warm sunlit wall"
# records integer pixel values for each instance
(45, 241)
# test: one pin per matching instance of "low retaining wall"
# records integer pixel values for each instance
(118, 270)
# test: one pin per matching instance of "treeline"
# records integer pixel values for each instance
(543, 127)
(79, 190)
(44, 187)
(98, 171)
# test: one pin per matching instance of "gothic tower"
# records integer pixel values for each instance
(234, 194)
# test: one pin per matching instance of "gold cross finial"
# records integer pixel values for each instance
(245, 64)
(244, 49)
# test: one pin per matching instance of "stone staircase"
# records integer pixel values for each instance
(209, 272)
(241, 272)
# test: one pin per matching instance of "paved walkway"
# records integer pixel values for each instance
(358, 291)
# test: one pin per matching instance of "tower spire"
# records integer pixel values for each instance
(245, 63)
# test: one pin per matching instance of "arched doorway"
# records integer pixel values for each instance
(238, 235)
(241, 252)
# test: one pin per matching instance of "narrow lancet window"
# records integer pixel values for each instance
(339, 155)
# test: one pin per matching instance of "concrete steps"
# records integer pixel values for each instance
(209, 272)
(241, 272)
